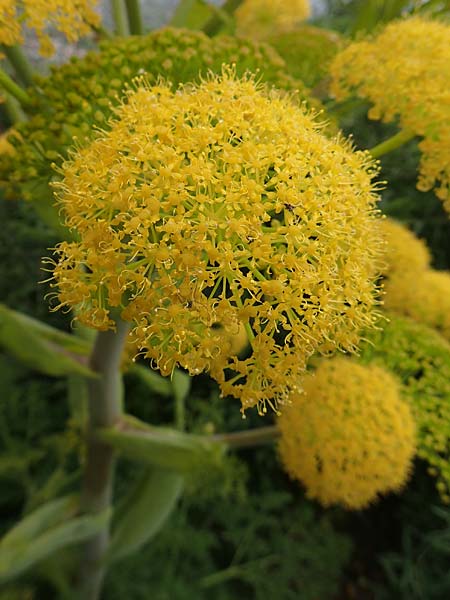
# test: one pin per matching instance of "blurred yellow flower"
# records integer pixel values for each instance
(405, 72)
(218, 205)
(259, 19)
(405, 252)
(73, 18)
(424, 296)
(349, 437)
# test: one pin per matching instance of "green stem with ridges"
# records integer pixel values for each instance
(12, 88)
(19, 61)
(120, 17)
(392, 143)
(104, 410)
(134, 17)
(217, 20)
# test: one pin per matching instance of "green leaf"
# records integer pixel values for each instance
(46, 530)
(153, 380)
(191, 14)
(162, 447)
(145, 511)
(41, 347)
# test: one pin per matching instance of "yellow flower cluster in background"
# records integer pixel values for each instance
(420, 358)
(349, 437)
(259, 19)
(405, 72)
(216, 205)
(73, 18)
(405, 252)
(412, 288)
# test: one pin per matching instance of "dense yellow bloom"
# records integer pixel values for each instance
(405, 252)
(405, 72)
(73, 18)
(260, 18)
(350, 436)
(424, 296)
(216, 205)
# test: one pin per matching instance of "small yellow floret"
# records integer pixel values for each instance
(350, 436)
(73, 18)
(259, 19)
(405, 72)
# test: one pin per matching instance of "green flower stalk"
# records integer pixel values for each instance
(105, 410)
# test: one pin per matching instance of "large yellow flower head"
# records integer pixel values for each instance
(215, 205)
(350, 436)
(405, 253)
(424, 296)
(259, 19)
(405, 72)
(73, 18)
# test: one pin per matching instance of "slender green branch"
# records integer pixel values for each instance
(20, 63)
(245, 439)
(134, 17)
(104, 410)
(12, 88)
(120, 17)
(102, 32)
(13, 110)
(219, 18)
(392, 143)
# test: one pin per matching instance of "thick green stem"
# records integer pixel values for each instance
(20, 63)
(244, 439)
(216, 22)
(120, 17)
(392, 143)
(105, 410)
(12, 88)
(134, 17)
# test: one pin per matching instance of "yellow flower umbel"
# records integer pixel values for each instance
(411, 287)
(73, 18)
(259, 19)
(405, 252)
(350, 436)
(420, 358)
(405, 72)
(218, 205)
(423, 296)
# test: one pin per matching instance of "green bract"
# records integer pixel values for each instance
(420, 358)
(79, 97)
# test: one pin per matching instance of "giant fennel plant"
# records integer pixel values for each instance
(196, 203)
